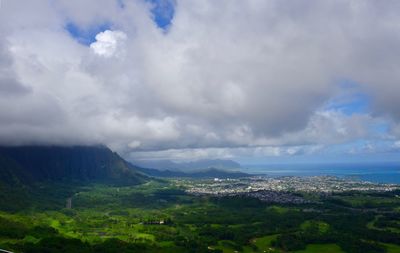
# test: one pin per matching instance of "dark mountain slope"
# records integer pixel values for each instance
(50, 163)
(11, 172)
(43, 178)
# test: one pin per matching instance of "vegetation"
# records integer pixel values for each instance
(160, 217)
(27, 165)
(88, 199)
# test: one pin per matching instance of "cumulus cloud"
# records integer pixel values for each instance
(108, 42)
(226, 74)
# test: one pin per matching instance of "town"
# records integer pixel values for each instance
(282, 189)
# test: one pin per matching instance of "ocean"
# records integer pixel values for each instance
(377, 173)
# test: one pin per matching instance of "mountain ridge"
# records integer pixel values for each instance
(29, 164)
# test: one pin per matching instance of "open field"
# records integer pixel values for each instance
(318, 248)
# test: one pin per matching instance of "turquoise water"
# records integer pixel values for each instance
(378, 173)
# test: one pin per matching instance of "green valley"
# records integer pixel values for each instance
(161, 216)
(89, 199)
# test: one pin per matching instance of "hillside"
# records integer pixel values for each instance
(30, 164)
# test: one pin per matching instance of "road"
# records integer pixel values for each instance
(5, 251)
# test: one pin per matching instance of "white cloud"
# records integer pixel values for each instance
(108, 42)
(242, 74)
(134, 144)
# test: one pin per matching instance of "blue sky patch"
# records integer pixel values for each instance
(163, 12)
(380, 128)
(356, 103)
(86, 36)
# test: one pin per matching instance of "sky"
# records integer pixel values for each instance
(255, 81)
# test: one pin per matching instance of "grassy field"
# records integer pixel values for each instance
(391, 248)
(370, 201)
(264, 243)
(226, 246)
(323, 227)
(321, 248)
